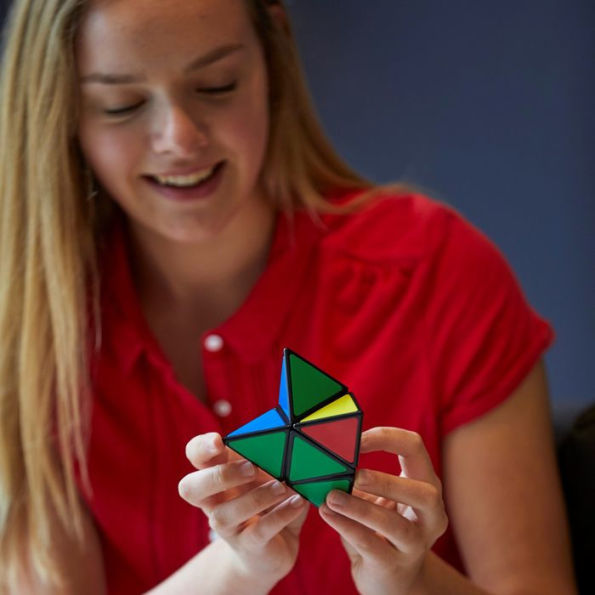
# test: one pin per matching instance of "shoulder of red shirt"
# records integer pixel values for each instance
(393, 227)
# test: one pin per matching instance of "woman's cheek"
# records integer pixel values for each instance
(113, 155)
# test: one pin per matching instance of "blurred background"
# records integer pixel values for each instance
(490, 107)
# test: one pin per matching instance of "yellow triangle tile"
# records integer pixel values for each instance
(341, 406)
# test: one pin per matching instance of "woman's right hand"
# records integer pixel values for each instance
(260, 518)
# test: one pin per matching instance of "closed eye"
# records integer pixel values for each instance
(218, 90)
(127, 109)
(120, 111)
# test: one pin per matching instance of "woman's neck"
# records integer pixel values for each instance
(206, 281)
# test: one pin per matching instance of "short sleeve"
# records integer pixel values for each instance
(484, 338)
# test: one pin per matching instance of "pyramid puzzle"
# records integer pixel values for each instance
(311, 439)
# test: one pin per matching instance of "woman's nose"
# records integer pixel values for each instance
(179, 133)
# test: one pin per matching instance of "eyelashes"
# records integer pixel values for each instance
(209, 91)
(218, 90)
(120, 111)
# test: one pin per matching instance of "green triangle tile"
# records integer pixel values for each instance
(307, 462)
(265, 450)
(309, 385)
(316, 491)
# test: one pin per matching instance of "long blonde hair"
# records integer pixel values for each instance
(48, 272)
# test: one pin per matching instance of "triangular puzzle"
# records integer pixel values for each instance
(311, 439)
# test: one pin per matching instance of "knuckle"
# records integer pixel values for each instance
(433, 498)
(213, 523)
(255, 536)
(442, 524)
(218, 521)
(261, 497)
(385, 433)
(417, 442)
(382, 483)
(218, 476)
(363, 476)
(215, 520)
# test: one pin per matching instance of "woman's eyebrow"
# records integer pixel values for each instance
(211, 56)
(214, 55)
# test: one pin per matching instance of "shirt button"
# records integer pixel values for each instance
(213, 343)
(222, 407)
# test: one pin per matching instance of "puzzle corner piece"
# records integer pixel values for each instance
(317, 491)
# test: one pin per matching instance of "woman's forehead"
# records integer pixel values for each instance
(154, 29)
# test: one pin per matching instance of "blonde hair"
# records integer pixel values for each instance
(305, 170)
(48, 272)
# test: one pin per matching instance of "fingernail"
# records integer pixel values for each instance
(213, 446)
(295, 501)
(277, 488)
(324, 509)
(247, 469)
(337, 498)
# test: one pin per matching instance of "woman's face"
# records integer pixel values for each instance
(173, 110)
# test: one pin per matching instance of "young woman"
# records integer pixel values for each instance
(171, 218)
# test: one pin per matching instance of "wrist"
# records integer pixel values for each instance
(243, 579)
(420, 586)
(437, 576)
(215, 569)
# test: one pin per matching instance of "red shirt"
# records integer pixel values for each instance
(405, 303)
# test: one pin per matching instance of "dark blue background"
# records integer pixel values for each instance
(489, 106)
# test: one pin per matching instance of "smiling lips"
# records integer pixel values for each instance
(187, 180)
(197, 185)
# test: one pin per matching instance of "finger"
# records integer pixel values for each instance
(378, 500)
(260, 478)
(425, 498)
(403, 534)
(197, 487)
(409, 446)
(368, 544)
(296, 524)
(291, 512)
(206, 450)
(227, 517)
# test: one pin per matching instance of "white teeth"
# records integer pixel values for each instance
(190, 180)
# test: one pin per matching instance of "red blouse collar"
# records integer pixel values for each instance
(250, 331)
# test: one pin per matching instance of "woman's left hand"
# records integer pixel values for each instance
(390, 522)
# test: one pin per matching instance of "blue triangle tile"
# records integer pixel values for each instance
(267, 421)
(284, 390)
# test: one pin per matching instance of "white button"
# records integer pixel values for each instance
(213, 343)
(213, 535)
(222, 407)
